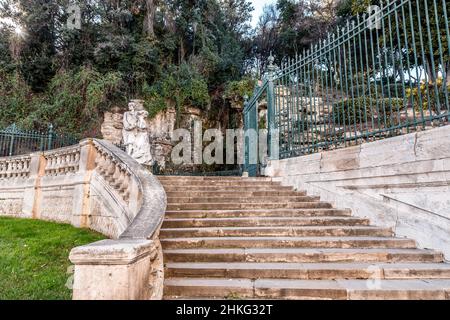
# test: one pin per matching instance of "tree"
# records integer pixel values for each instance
(149, 19)
(144, 43)
(292, 26)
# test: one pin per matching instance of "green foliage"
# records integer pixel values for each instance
(180, 86)
(70, 77)
(236, 90)
(426, 93)
(6, 62)
(392, 90)
(355, 111)
(360, 6)
(15, 98)
(73, 102)
(80, 98)
(34, 258)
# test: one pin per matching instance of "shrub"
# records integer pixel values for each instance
(73, 103)
(427, 94)
(183, 86)
(354, 111)
(15, 98)
(236, 90)
(78, 99)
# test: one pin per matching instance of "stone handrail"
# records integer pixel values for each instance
(98, 186)
(15, 167)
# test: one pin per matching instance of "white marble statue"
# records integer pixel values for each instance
(130, 120)
(135, 134)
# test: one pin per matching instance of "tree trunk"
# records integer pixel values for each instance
(149, 20)
(430, 72)
(182, 51)
(447, 72)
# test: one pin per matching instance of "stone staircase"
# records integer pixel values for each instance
(250, 238)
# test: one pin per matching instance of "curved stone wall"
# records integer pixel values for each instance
(94, 185)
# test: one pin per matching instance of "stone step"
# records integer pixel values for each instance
(276, 232)
(287, 242)
(264, 222)
(236, 206)
(301, 255)
(214, 188)
(242, 199)
(213, 184)
(243, 193)
(324, 212)
(309, 271)
(253, 238)
(212, 178)
(426, 289)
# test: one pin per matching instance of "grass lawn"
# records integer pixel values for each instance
(34, 258)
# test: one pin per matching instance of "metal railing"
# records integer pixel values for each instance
(15, 141)
(378, 76)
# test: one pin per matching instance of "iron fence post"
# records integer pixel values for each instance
(50, 137)
(246, 150)
(270, 109)
(11, 145)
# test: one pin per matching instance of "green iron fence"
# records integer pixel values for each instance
(14, 141)
(378, 76)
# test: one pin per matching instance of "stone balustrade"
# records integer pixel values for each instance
(62, 161)
(115, 173)
(15, 167)
(94, 185)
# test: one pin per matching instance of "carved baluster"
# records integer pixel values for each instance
(69, 165)
(13, 169)
(111, 169)
(76, 161)
(27, 167)
(20, 168)
(104, 165)
(5, 169)
(125, 181)
(2, 170)
(59, 164)
(48, 169)
(8, 169)
(125, 190)
(99, 160)
(118, 178)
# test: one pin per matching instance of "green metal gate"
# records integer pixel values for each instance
(253, 139)
(378, 75)
(15, 141)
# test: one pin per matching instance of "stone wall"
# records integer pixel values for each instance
(401, 182)
(160, 130)
(94, 185)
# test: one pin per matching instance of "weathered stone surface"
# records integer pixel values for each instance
(339, 161)
(159, 129)
(431, 144)
(401, 182)
(392, 151)
(112, 270)
(112, 126)
(94, 185)
(215, 250)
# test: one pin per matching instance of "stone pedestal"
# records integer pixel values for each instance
(113, 270)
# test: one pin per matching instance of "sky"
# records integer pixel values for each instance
(258, 5)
